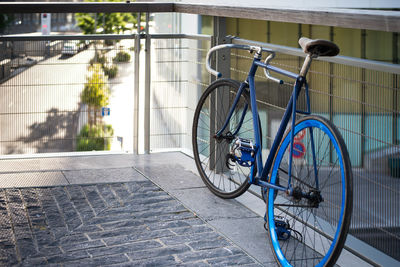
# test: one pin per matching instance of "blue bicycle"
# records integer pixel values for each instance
(306, 180)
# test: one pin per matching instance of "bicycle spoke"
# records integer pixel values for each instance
(210, 152)
(316, 222)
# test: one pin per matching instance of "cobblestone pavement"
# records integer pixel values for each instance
(121, 224)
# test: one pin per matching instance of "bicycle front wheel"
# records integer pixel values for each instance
(310, 227)
(224, 177)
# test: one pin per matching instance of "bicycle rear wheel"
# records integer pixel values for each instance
(310, 231)
(225, 178)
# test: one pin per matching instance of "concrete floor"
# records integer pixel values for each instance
(240, 220)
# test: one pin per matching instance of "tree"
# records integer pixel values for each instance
(109, 22)
(96, 93)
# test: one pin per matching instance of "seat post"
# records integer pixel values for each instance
(306, 65)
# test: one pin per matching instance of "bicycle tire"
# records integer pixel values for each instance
(316, 233)
(210, 154)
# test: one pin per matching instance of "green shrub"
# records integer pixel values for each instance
(96, 92)
(110, 71)
(122, 56)
(100, 59)
(96, 138)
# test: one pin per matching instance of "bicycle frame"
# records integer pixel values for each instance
(290, 112)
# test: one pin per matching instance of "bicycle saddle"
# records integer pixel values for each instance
(319, 47)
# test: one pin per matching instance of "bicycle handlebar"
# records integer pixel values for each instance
(215, 48)
(266, 72)
(242, 47)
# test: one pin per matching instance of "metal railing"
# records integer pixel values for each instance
(41, 100)
(45, 108)
(178, 78)
(362, 98)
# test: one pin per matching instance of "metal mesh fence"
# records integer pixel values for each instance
(44, 108)
(64, 96)
(364, 105)
(178, 79)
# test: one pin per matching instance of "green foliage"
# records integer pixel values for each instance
(97, 137)
(109, 22)
(110, 70)
(96, 92)
(122, 56)
(85, 22)
(100, 59)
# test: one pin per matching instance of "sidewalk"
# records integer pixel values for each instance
(126, 210)
(110, 210)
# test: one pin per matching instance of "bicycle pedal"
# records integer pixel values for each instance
(282, 229)
(244, 152)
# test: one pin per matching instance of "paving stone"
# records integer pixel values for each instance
(160, 252)
(44, 237)
(40, 261)
(231, 260)
(114, 232)
(121, 191)
(99, 261)
(118, 224)
(94, 199)
(71, 256)
(49, 251)
(159, 261)
(209, 254)
(8, 257)
(177, 215)
(87, 229)
(195, 264)
(75, 192)
(169, 224)
(26, 247)
(164, 206)
(157, 212)
(121, 223)
(207, 244)
(193, 229)
(73, 238)
(108, 195)
(180, 239)
(72, 246)
(126, 248)
(138, 236)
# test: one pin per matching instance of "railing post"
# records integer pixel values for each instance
(147, 87)
(136, 91)
(223, 59)
(219, 102)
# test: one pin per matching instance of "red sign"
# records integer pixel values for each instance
(298, 150)
(300, 135)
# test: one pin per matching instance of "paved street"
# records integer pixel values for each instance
(40, 104)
